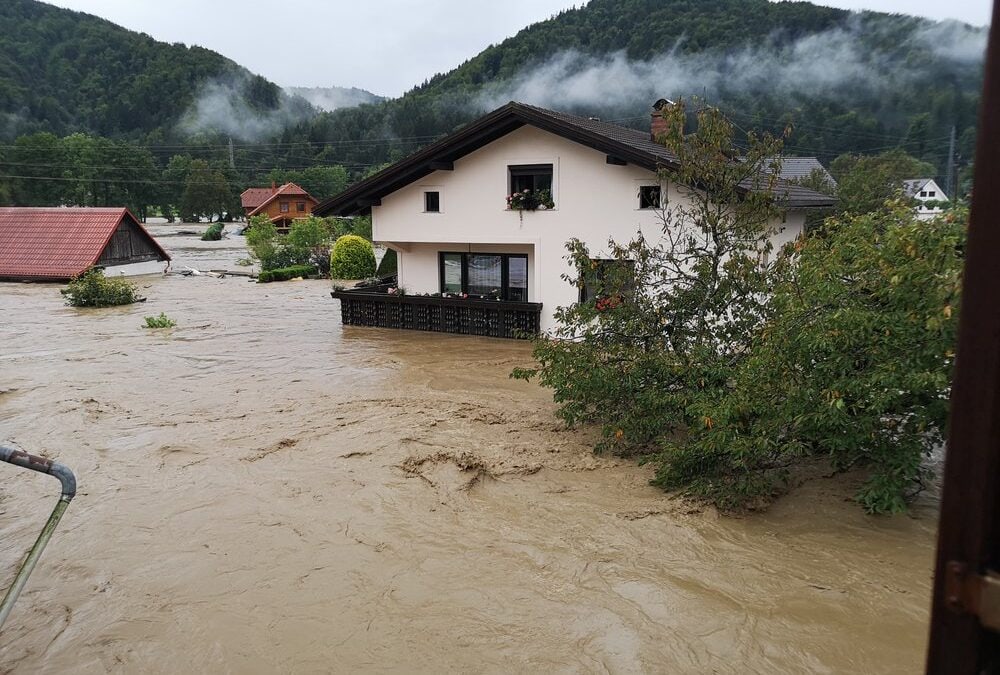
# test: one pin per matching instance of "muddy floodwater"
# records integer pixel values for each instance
(263, 490)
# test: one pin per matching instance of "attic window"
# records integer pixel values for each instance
(649, 196)
(432, 202)
(300, 207)
(534, 177)
(923, 193)
(931, 193)
(283, 207)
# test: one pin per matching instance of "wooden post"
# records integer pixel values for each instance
(970, 509)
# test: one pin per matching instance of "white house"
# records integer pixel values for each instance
(927, 191)
(444, 210)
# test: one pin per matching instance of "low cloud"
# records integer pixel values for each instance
(223, 106)
(334, 98)
(836, 62)
(955, 41)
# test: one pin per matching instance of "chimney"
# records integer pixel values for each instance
(659, 126)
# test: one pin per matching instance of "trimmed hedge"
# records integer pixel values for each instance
(286, 273)
(352, 258)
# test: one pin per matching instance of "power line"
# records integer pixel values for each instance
(359, 142)
(126, 167)
(127, 181)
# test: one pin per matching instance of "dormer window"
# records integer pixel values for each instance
(649, 196)
(432, 202)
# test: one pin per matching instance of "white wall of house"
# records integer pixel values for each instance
(594, 201)
(930, 192)
(136, 269)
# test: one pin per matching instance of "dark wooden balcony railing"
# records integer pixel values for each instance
(467, 316)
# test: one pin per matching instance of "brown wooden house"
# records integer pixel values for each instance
(282, 205)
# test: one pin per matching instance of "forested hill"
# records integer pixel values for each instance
(63, 71)
(848, 82)
(845, 83)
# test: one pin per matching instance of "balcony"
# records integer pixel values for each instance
(466, 316)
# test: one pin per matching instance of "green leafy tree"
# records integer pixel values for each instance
(853, 365)
(819, 181)
(867, 182)
(262, 240)
(668, 321)
(172, 181)
(725, 372)
(206, 192)
(35, 156)
(308, 242)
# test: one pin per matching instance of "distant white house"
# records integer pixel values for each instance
(925, 190)
(488, 269)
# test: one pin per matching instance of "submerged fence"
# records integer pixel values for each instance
(466, 316)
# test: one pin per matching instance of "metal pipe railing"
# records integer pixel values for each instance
(24, 460)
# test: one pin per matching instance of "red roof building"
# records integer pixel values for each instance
(282, 205)
(53, 244)
(251, 198)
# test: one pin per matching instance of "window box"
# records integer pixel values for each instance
(529, 187)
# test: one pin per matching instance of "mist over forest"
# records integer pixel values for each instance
(844, 82)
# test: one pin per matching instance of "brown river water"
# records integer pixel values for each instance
(263, 490)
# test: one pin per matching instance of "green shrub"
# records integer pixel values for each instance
(388, 266)
(308, 243)
(352, 258)
(286, 273)
(93, 289)
(262, 240)
(213, 233)
(161, 321)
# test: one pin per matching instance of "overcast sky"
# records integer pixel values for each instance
(385, 46)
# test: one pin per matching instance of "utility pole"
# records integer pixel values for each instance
(232, 157)
(950, 175)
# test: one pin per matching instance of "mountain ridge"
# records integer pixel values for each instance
(844, 81)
